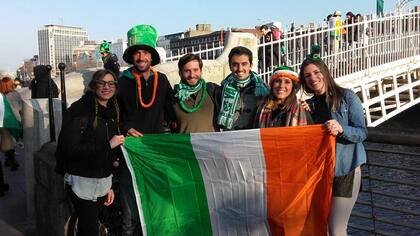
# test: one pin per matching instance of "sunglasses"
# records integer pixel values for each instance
(102, 83)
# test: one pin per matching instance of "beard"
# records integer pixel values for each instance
(141, 70)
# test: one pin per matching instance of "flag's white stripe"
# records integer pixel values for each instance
(2, 109)
(136, 191)
(233, 169)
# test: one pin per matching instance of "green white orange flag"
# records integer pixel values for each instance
(274, 181)
(8, 119)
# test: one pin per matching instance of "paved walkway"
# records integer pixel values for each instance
(13, 218)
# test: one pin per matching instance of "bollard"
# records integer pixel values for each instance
(50, 106)
(61, 67)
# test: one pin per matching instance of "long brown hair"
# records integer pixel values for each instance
(333, 92)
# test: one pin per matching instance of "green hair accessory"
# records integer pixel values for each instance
(315, 53)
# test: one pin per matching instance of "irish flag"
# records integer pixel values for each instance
(8, 119)
(274, 181)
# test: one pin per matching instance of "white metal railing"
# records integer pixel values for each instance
(205, 51)
(346, 49)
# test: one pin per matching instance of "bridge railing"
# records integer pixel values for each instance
(346, 49)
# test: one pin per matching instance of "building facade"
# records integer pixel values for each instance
(56, 42)
(85, 56)
(165, 40)
(198, 43)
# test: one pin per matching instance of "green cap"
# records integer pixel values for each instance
(141, 37)
(104, 47)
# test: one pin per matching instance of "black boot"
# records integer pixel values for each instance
(11, 160)
(3, 186)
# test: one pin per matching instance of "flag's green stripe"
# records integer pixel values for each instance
(170, 183)
(9, 120)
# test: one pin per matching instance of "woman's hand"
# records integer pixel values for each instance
(116, 141)
(110, 198)
(333, 127)
(305, 106)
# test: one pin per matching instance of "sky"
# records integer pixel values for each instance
(112, 19)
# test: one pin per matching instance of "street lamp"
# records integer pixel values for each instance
(400, 5)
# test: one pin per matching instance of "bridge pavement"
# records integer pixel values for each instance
(13, 217)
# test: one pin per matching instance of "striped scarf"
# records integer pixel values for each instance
(292, 115)
(230, 96)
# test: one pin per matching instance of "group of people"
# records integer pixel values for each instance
(350, 34)
(9, 138)
(142, 101)
(271, 55)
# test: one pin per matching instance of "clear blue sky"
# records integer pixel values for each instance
(112, 19)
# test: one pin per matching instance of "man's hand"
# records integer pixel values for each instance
(133, 132)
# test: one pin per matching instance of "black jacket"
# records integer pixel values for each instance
(81, 149)
(111, 63)
(39, 85)
(150, 120)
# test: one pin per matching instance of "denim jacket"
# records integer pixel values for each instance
(350, 152)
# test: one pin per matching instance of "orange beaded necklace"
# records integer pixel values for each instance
(137, 76)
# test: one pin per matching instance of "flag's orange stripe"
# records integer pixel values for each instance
(300, 169)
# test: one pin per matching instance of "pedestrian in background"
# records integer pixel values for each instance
(39, 85)
(109, 59)
(8, 142)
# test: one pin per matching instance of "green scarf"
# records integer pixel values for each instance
(230, 96)
(184, 90)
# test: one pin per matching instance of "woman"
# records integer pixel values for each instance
(281, 106)
(340, 110)
(7, 144)
(85, 152)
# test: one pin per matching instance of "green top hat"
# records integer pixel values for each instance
(141, 37)
(104, 47)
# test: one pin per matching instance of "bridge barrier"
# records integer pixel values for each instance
(389, 202)
(52, 206)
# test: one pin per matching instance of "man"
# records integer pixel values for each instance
(242, 92)
(268, 55)
(335, 23)
(39, 85)
(144, 96)
(110, 59)
(195, 102)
